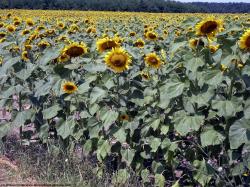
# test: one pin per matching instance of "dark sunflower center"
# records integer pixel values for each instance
(209, 27)
(118, 60)
(151, 36)
(75, 51)
(153, 61)
(139, 44)
(248, 42)
(69, 87)
(109, 45)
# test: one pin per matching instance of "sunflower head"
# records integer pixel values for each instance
(69, 87)
(118, 60)
(195, 42)
(151, 35)
(139, 43)
(43, 44)
(75, 50)
(24, 32)
(209, 27)
(25, 56)
(213, 48)
(11, 28)
(244, 42)
(153, 60)
(63, 58)
(106, 44)
(145, 75)
(124, 117)
(2, 35)
(29, 22)
(132, 34)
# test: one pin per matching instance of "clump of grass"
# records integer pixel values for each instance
(50, 164)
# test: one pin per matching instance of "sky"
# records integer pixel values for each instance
(216, 1)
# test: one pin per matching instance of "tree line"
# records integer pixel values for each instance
(127, 5)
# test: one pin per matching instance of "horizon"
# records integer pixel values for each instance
(215, 1)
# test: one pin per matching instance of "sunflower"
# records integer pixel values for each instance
(1, 24)
(139, 43)
(150, 35)
(106, 44)
(27, 47)
(24, 32)
(17, 22)
(11, 28)
(118, 60)
(43, 44)
(2, 35)
(69, 87)
(213, 48)
(153, 60)
(25, 56)
(132, 34)
(63, 58)
(2, 40)
(193, 43)
(124, 117)
(244, 42)
(61, 25)
(29, 22)
(209, 27)
(145, 75)
(75, 50)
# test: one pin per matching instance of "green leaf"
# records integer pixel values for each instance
(108, 117)
(51, 111)
(212, 77)
(97, 94)
(121, 177)
(22, 117)
(193, 64)
(145, 175)
(4, 129)
(239, 133)
(94, 68)
(203, 173)
(225, 108)
(159, 180)
(128, 155)
(185, 124)
(121, 135)
(103, 149)
(154, 143)
(65, 128)
(211, 137)
(26, 73)
(170, 90)
(155, 124)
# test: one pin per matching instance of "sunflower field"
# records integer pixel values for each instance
(166, 96)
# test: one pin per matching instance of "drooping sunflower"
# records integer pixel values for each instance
(209, 27)
(106, 44)
(69, 87)
(25, 56)
(244, 42)
(118, 60)
(139, 43)
(75, 50)
(2, 35)
(153, 60)
(151, 35)
(43, 44)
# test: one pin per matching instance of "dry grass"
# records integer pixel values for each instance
(53, 166)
